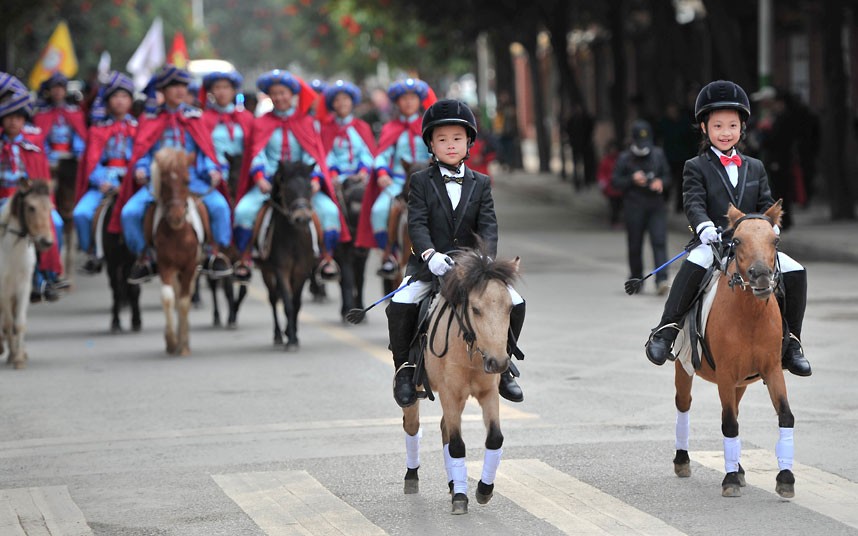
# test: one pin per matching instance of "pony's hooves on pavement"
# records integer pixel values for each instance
(460, 504)
(412, 482)
(484, 492)
(730, 486)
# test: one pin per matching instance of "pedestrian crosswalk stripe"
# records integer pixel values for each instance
(45, 511)
(286, 503)
(817, 490)
(572, 506)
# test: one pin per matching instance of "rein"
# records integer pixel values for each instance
(463, 318)
(286, 211)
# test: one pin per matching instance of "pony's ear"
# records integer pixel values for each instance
(25, 184)
(190, 159)
(733, 215)
(308, 168)
(516, 262)
(776, 212)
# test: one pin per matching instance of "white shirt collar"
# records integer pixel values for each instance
(719, 153)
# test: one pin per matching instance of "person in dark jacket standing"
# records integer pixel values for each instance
(642, 173)
(450, 206)
(713, 180)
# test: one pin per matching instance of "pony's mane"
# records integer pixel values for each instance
(472, 272)
(39, 187)
(166, 159)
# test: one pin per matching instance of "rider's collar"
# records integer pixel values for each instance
(283, 114)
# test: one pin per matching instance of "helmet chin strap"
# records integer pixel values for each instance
(455, 169)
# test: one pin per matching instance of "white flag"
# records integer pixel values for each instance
(149, 55)
(104, 67)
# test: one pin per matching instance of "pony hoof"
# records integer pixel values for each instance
(136, 327)
(19, 365)
(185, 352)
(115, 328)
(278, 341)
(682, 464)
(730, 486)
(741, 474)
(412, 482)
(460, 504)
(484, 492)
(231, 326)
(785, 486)
(291, 347)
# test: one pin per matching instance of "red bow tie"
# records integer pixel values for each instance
(736, 159)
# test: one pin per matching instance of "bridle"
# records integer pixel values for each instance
(463, 317)
(728, 255)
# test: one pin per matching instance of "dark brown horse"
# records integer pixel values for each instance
(465, 353)
(118, 260)
(397, 227)
(744, 334)
(176, 243)
(352, 259)
(291, 260)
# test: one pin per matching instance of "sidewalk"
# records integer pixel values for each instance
(813, 237)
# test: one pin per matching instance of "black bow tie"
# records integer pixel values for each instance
(457, 180)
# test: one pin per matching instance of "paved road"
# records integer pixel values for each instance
(107, 435)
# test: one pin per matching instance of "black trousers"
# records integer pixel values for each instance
(646, 215)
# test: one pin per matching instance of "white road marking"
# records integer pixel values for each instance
(286, 503)
(48, 511)
(817, 490)
(569, 504)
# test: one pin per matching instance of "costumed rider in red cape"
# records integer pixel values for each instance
(287, 133)
(229, 126)
(177, 125)
(109, 144)
(400, 140)
(21, 158)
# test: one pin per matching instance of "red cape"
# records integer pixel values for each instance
(389, 134)
(148, 132)
(46, 119)
(245, 120)
(330, 129)
(96, 140)
(303, 129)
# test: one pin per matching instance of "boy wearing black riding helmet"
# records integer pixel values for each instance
(714, 179)
(449, 206)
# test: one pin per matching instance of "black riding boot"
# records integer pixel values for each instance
(401, 323)
(508, 388)
(795, 301)
(682, 292)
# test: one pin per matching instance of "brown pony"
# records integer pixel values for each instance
(466, 350)
(744, 334)
(176, 243)
(25, 227)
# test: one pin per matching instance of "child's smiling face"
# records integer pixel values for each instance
(724, 128)
(450, 144)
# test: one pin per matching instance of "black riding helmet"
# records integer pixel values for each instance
(449, 112)
(722, 95)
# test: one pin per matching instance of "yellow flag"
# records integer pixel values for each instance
(57, 56)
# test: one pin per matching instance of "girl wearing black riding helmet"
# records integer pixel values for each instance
(448, 191)
(714, 179)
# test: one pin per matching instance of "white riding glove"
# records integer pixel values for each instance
(440, 264)
(709, 235)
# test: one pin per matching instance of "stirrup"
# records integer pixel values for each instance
(672, 325)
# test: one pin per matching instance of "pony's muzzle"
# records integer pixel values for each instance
(761, 280)
(494, 365)
(43, 243)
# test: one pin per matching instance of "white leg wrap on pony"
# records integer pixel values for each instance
(785, 449)
(448, 462)
(682, 427)
(732, 451)
(412, 449)
(459, 472)
(491, 462)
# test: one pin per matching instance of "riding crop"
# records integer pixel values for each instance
(634, 285)
(355, 316)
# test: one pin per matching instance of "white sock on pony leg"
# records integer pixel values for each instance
(459, 474)
(785, 449)
(682, 430)
(412, 449)
(732, 451)
(491, 462)
(448, 462)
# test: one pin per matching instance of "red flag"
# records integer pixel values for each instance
(178, 55)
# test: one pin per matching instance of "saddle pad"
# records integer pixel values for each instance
(263, 239)
(682, 346)
(192, 216)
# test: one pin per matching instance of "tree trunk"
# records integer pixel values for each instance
(543, 141)
(731, 52)
(837, 179)
(619, 90)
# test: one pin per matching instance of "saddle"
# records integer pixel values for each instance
(263, 233)
(197, 216)
(99, 220)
